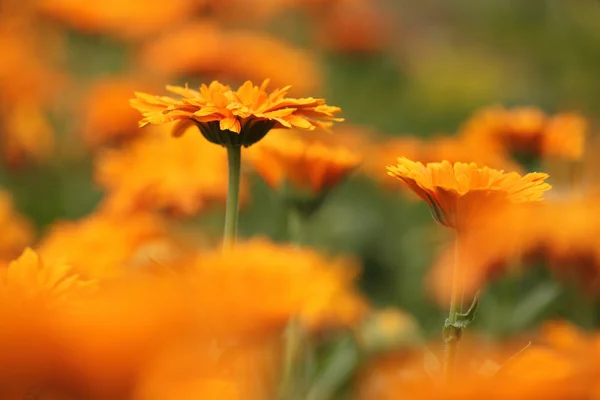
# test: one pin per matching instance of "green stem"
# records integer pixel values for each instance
(234, 159)
(452, 334)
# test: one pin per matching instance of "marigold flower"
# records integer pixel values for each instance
(105, 113)
(17, 231)
(120, 243)
(240, 117)
(295, 66)
(453, 192)
(565, 136)
(309, 166)
(117, 18)
(29, 278)
(291, 281)
(181, 185)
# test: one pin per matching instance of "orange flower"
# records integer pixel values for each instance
(117, 18)
(528, 130)
(309, 166)
(30, 278)
(17, 231)
(454, 192)
(115, 245)
(106, 114)
(291, 282)
(182, 184)
(564, 233)
(242, 116)
(294, 66)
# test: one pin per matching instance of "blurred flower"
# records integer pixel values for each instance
(294, 66)
(353, 26)
(17, 231)
(564, 233)
(29, 278)
(291, 282)
(117, 18)
(105, 113)
(27, 88)
(114, 241)
(309, 166)
(192, 175)
(528, 130)
(565, 136)
(455, 192)
(241, 116)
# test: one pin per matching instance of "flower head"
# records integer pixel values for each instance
(308, 166)
(237, 117)
(182, 184)
(17, 231)
(453, 192)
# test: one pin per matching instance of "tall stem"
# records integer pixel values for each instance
(234, 159)
(452, 334)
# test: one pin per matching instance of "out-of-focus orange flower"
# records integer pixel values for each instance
(29, 278)
(191, 178)
(308, 166)
(26, 88)
(454, 192)
(294, 66)
(353, 26)
(562, 232)
(565, 136)
(106, 116)
(116, 243)
(117, 18)
(537, 372)
(291, 282)
(250, 112)
(17, 231)
(528, 130)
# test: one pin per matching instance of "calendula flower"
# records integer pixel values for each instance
(106, 116)
(453, 192)
(528, 130)
(236, 117)
(116, 18)
(191, 179)
(293, 282)
(308, 166)
(30, 278)
(17, 230)
(563, 233)
(296, 67)
(120, 243)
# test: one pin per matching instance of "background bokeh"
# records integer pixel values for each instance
(395, 67)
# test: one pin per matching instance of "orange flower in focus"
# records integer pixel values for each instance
(191, 178)
(106, 115)
(117, 18)
(308, 166)
(117, 243)
(291, 282)
(294, 66)
(17, 231)
(220, 112)
(564, 233)
(455, 192)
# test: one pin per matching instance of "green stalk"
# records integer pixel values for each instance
(451, 333)
(234, 159)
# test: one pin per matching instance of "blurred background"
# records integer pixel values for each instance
(397, 68)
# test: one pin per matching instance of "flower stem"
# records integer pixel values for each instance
(451, 333)
(234, 159)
